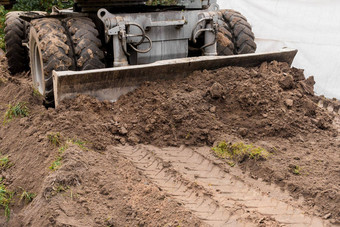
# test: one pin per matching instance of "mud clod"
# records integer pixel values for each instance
(216, 91)
(287, 82)
(289, 103)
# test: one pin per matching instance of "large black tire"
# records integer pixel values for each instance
(15, 33)
(243, 37)
(225, 45)
(86, 43)
(49, 50)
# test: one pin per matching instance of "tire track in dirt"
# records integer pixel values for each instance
(212, 194)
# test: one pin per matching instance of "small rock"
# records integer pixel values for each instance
(298, 74)
(22, 121)
(148, 128)
(216, 91)
(310, 81)
(123, 131)
(213, 109)
(310, 108)
(327, 216)
(289, 103)
(111, 223)
(243, 132)
(322, 124)
(308, 86)
(134, 139)
(263, 67)
(104, 191)
(287, 82)
(122, 141)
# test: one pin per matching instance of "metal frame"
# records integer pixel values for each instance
(141, 38)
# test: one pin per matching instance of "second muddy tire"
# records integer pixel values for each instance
(15, 33)
(243, 37)
(86, 43)
(49, 50)
(225, 46)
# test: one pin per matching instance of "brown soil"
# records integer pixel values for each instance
(272, 106)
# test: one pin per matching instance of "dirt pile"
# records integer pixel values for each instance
(272, 105)
(272, 100)
(87, 187)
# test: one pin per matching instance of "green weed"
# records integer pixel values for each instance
(6, 198)
(3, 13)
(27, 197)
(56, 189)
(2, 80)
(296, 170)
(36, 93)
(80, 143)
(38, 5)
(55, 139)
(60, 188)
(239, 152)
(62, 149)
(18, 110)
(56, 164)
(5, 162)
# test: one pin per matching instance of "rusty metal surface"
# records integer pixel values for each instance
(109, 84)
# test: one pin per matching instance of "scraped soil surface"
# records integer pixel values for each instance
(272, 106)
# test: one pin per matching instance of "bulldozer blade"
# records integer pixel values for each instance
(111, 83)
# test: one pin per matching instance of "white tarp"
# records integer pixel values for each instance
(311, 26)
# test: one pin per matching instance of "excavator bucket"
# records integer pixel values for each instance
(111, 83)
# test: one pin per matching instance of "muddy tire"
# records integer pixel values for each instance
(86, 43)
(49, 50)
(242, 35)
(15, 33)
(225, 46)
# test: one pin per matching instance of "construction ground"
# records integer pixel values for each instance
(229, 147)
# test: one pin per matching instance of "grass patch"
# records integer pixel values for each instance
(80, 143)
(56, 164)
(57, 189)
(2, 81)
(6, 198)
(27, 197)
(239, 152)
(3, 13)
(18, 110)
(61, 188)
(36, 93)
(55, 139)
(296, 170)
(5, 163)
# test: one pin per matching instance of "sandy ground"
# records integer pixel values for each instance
(96, 184)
